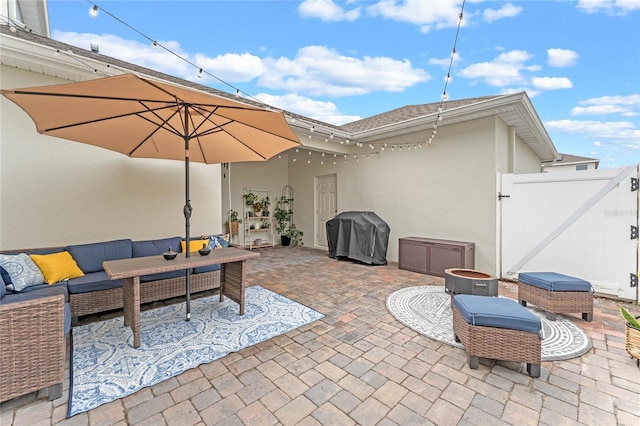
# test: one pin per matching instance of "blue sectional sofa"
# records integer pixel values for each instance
(35, 320)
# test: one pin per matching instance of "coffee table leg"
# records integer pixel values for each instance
(131, 302)
(232, 283)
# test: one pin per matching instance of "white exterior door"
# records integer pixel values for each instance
(326, 206)
(583, 224)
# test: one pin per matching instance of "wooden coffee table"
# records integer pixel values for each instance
(232, 273)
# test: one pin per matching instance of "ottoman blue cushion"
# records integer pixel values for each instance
(553, 281)
(497, 312)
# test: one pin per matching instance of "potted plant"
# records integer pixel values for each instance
(632, 340)
(283, 214)
(233, 222)
(293, 235)
(250, 198)
(265, 202)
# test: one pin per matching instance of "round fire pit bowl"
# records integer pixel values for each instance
(470, 281)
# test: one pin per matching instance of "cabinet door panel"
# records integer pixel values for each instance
(413, 256)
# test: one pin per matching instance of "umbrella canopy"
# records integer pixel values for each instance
(148, 119)
(143, 118)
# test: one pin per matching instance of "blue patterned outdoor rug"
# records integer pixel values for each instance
(427, 310)
(106, 367)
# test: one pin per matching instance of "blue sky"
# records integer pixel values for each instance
(339, 61)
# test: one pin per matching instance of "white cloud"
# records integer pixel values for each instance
(504, 70)
(506, 11)
(612, 130)
(327, 10)
(316, 70)
(620, 7)
(562, 57)
(426, 14)
(551, 83)
(229, 67)
(320, 71)
(319, 110)
(628, 106)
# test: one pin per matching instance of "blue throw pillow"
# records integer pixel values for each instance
(22, 271)
(219, 241)
(3, 287)
(5, 276)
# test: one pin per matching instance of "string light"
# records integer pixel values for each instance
(293, 119)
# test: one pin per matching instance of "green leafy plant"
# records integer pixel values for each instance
(633, 321)
(233, 217)
(283, 214)
(295, 235)
(250, 198)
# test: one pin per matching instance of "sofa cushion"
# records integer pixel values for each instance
(162, 276)
(57, 267)
(208, 268)
(67, 318)
(22, 271)
(36, 291)
(194, 245)
(94, 281)
(500, 312)
(553, 281)
(155, 247)
(3, 287)
(89, 257)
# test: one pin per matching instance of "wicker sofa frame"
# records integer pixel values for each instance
(33, 341)
(498, 343)
(107, 300)
(33, 347)
(557, 302)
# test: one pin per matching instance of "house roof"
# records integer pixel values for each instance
(406, 113)
(568, 159)
(29, 51)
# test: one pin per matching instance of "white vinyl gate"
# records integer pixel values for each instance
(583, 224)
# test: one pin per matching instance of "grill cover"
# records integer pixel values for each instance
(360, 236)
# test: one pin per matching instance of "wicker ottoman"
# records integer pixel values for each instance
(556, 294)
(497, 328)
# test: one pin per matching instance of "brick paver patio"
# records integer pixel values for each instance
(358, 365)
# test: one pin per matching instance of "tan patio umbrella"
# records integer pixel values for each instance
(149, 119)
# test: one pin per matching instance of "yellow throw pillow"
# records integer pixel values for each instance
(194, 245)
(57, 267)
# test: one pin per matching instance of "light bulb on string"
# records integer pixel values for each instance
(154, 44)
(200, 73)
(93, 12)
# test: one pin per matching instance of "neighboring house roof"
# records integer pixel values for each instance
(29, 51)
(568, 159)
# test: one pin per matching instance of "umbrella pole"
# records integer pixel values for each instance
(187, 212)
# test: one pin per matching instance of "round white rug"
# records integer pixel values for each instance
(427, 310)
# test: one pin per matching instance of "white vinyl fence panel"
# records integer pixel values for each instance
(575, 223)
